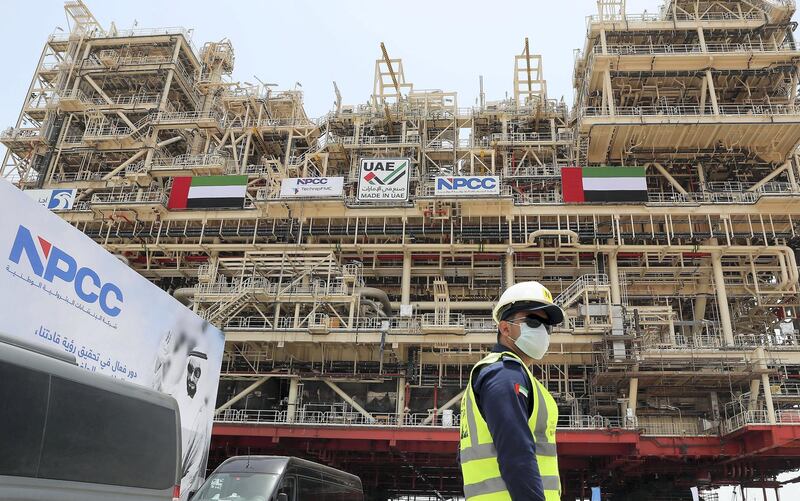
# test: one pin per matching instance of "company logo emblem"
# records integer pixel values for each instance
(61, 199)
(319, 181)
(469, 183)
(384, 173)
(60, 266)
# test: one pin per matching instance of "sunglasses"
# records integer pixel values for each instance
(531, 321)
(194, 370)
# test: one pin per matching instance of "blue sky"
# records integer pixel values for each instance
(444, 45)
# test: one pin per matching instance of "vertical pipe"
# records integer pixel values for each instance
(509, 268)
(722, 298)
(292, 404)
(633, 395)
(762, 364)
(400, 408)
(613, 278)
(405, 298)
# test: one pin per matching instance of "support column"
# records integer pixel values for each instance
(700, 303)
(762, 364)
(722, 297)
(755, 387)
(400, 408)
(291, 407)
(613, 278)
(633, 395)
(712, 92)
(509, 268)
(405, 296)
(608, 92)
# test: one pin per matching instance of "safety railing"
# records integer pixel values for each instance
(337, 418)
(181, 117)
(788, 389)
(440, 419)
(396, 325)
(136, 32)
(745, 418)
(21, 133)
(583, 282)
(83, 175)
(131, 197)
(537, 198)
(519, 137)
(693, 110)
(668, 16)
(279, 122)
(676, 427)
(124, 100)
(106, 132)
(656, 49)
(367, 140)
(188, 161)
(439, 320)
(533, 171)
(788, 416)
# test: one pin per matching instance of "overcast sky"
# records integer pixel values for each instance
(444, 44)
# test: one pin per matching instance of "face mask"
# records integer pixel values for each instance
(533, 341)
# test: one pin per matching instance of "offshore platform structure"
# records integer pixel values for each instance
(662, 209)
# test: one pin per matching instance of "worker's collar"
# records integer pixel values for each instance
(499, 348)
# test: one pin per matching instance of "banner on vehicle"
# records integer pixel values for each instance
(53, 199)
(61, 289)
(312, 187)
(384, 179)
(467, 186)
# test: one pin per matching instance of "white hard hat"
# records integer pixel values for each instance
(528, 295)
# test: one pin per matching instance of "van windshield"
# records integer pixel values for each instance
(237, 487)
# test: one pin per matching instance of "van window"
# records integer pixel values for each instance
(321, 490)
(288, 487)
(237, 487)
(97, 436)
(24, 404)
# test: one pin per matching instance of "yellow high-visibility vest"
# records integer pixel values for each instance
(479, 466)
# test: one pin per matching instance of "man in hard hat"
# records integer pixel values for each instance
(508, 418)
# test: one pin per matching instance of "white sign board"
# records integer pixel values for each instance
(384, 179)
(53, 199)
(467, 186)
(61, 289)
(312, 187)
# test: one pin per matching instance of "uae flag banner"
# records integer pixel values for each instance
(603, 184)
(208, 192)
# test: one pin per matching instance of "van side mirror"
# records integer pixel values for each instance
(283, 497)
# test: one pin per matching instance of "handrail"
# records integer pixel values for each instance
(694, 110)
(727, 47)
(590, 279)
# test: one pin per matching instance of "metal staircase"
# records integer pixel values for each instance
(593, 283)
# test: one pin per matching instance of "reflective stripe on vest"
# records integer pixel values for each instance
(479, 466)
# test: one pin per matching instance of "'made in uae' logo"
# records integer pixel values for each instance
(384, 179)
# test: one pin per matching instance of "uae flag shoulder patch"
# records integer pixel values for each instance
(208, 192)
(603, 184)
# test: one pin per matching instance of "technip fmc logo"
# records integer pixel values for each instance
(60, 266)
(384, 179)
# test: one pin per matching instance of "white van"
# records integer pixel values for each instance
(278, 478)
